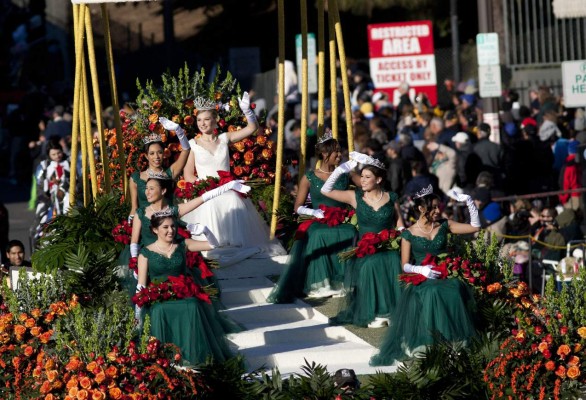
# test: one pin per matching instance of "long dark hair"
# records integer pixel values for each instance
(329, 147)
(147, 146)
(426, 202)
(378, 173)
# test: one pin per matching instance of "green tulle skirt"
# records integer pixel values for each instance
(313, 262)
(373, 288)
(435, 308)
(191, 325)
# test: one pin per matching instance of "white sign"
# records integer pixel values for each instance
(487, 49)
(489, 81)
(574, 82)
(415, 70)
(311, 63)
(492, 119)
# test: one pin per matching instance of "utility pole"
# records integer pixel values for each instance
(455, 40)
(486, 25)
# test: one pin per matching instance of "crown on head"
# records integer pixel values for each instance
(423, 192)
(368, 160)
(325, 137)
(166, 212)
(158, 175)
(152, 138)
(203, 104)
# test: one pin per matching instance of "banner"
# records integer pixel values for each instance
(403, 52)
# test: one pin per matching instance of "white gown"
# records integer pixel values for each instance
(240, 230)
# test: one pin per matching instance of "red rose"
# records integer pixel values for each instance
(384, 235)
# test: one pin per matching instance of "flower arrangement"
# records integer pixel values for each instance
(370, 243)
(122, 232)
(252, 158)
(176, 287)
(473, 273)
(189, 190)
(333, 216)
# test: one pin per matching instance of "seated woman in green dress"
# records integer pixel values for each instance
(436, 307)
(189, 322)
(154, 149)
(374, 290)
(313, 268)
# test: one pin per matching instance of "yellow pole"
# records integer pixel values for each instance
(321, 67)
(97, 101)
(281, 113)
(114, 96)
(304, 88)
(333, 76)
(346, 87)
(89, 141)
(78, 15)
(83, 136)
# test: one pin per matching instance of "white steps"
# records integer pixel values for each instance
(285, 335)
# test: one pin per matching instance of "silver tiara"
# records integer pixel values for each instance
(158, 175)
(325, 137)
(166, 212)
(152, 138)
(423, 192)
(368, 160)
(203, 104)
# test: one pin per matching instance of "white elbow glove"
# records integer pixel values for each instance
(359, 157)
(341, 169)
(137, 309)
(244, 103)
(179, 131)
(310, 211)
(199, 229)
(424, 270)
(130, 218)
(134, 249)
(472, 210)
(236, 185)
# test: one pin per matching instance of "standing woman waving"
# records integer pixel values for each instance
(374, 278)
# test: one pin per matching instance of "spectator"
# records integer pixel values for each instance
(378, 130)
(374, 149)
(58, 126)
(518, 223)
(569, 225)
(570, 178)
(420, 178)
(404, 100)
(408, 151)
(398, 171)
(548, 241)
(451, 127)
(443, 164)
(15, 258)
(468, 164)
(489, 152)
(489, 211)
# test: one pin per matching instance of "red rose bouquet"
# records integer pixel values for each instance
(456, 267)
(333, 216)
(176, 287)
(122, 232)
(370, 243)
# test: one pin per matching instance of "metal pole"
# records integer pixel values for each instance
(486, 25)
(455, 40)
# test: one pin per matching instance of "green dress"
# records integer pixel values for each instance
(435, 307)
(191, 324)
(313, 260)
(373, 280)
(141, 187)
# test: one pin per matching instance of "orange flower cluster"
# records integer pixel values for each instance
(541, 349)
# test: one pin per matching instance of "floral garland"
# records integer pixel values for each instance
(176, 287)
(371, 242)
(333, 216)
(455, 267)
(188, 190)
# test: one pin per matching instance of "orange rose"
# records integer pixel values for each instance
(218, 96)
(238, 171)
(100, 377)
(4, 337)
(542, 346)
(45, 387)
(82, 394)
(573, 372)
(37, 372)
(50, 317)
(91, 366)
(248, 157)
(181, 184)
(153, 118)
(176, 118)
(550, 365)
(260, 139)
(111, 371)
(74, 364)
(577, 348)
(73, 392)
(98, 395)
(29, 323)
(85, 382)
(563, 350)
(582, 332)
(28, 351)
(239, 146)
(23, 317)
(45, 337)
(232, 128)
(19, 330)
(267, 154)
(36, 313)
(52, 375)
(115, 393)
(71, 383)
(157, 104)
(50, 397)
(35, 331)
(561, 371)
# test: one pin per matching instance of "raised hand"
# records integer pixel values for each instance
(459, 196)
(168, 124)
(359, 157)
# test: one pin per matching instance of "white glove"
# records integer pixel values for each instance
(199, 229)
(310, 211)
(179, 131)
(341, 169)
(359, 157)
(236, 185)
(424, 270)
(130, 218)
(244, 103)
(137, 309)
(472, 210)
(134, 249)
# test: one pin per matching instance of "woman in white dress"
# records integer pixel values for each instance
(233, 220)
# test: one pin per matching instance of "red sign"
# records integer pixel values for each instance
(403, 52)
